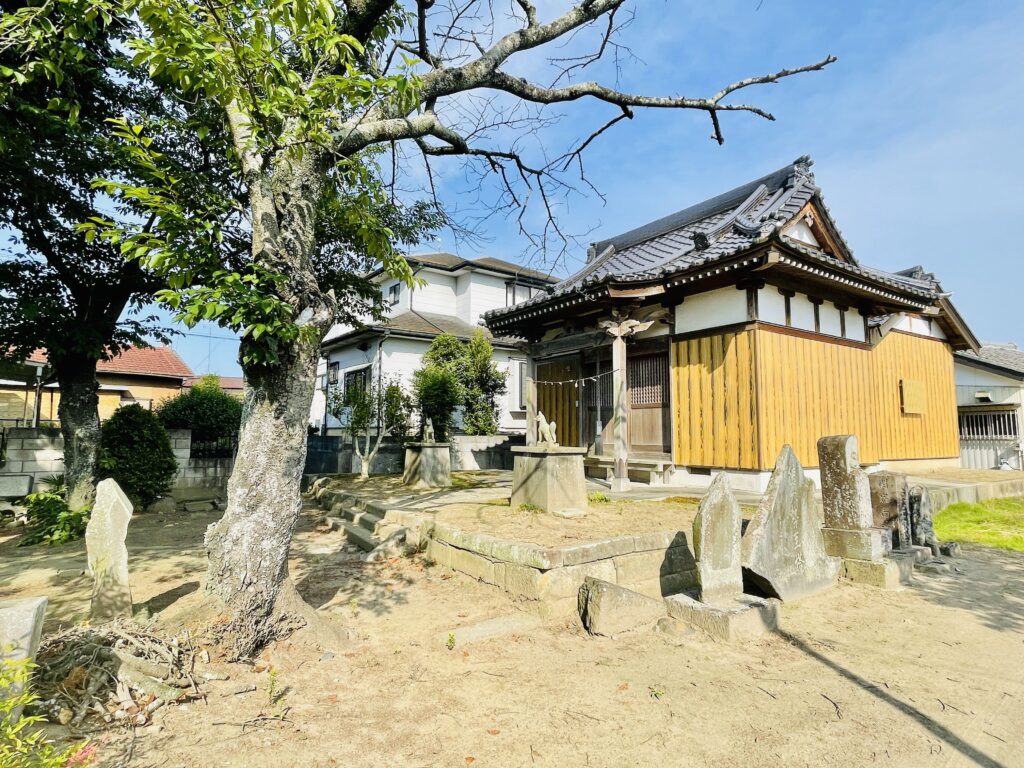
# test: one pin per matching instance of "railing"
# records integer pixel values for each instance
(221, 448)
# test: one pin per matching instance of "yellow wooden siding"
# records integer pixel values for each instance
(712, 380)
(560, 402)
(739, 397)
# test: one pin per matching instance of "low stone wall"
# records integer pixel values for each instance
(335, 455)
(549, 579)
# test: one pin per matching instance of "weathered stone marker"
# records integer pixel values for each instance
(716, 543)
(718, 606)
(921, 527)
(890, 504)
(21, 626)
(845, 488)
(783, 547)
(108, 556)
(849, 530)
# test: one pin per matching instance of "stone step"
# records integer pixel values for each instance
(366, 520)
(359, 536)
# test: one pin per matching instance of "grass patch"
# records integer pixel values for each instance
(993, 523)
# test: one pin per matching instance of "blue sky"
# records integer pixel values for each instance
(915, 132)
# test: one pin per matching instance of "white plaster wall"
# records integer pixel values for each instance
(969, 376)
(723, 306)
(486, 292)
(919, 325)
(829, 317)
(510, 417)
(855, 326)
(463, 297)
(801, 312)
(771, 305)
(437, 296)
(800, 231)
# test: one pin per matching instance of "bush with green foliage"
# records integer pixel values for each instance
(438, 392)
(51, 520)
(370, 414)
(210, 412)
(22, 744)
(466, 374)
(136, 451)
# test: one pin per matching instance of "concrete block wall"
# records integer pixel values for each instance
(34, 452)
(40, 452)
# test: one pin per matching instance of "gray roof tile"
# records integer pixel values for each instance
(1006, 356)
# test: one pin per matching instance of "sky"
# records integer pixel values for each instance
(915, 133)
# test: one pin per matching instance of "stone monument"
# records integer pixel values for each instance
(108, 556)
(21, 627)
(849, 530)
(428, 464)
(718, 605)
(549, 476)
(783, 547)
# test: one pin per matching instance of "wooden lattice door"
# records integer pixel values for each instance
(649, 418)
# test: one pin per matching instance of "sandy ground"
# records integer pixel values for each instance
(931, 675)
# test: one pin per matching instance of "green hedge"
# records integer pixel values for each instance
(136, 451)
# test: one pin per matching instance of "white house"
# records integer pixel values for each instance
(455, 294)
(990, 399)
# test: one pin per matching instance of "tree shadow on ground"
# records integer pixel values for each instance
(938, 730)
(336, 582)
(168, 597)
(996, 595)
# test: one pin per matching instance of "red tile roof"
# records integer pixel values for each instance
(227, 383)
(137, 361)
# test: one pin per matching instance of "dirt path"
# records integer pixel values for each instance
(929, 676)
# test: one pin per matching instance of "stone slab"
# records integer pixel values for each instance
(890, 504)
(716, 543)
(609, 610)
(868, 544)
(108, 556)
(887, 573)
(501, 626)
(21, 628)
(783, 547)
(743, 618)
(15, 486)
(845, 488)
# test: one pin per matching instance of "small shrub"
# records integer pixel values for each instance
(438, 393)
(531, 508)
(597, 497)
(52, 521)
(21, 746)
(212, 414)
(136, 451)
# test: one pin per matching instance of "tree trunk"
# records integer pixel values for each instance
(248, 547)
(80, 425)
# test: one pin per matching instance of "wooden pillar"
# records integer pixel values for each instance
(620, 480)
(531, 402)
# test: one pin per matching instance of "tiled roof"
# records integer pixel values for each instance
(137, 361)
(423, 324)
(227, 383)
(1006, 356)
(714, 230)
(451, 263)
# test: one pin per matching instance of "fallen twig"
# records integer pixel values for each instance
(839, 712)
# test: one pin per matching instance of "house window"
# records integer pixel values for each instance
(515, 293)
(980, 426)
(359, 378)
(394, 291)
(332, 372)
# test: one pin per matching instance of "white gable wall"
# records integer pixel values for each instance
(437, 296)
(723, 306)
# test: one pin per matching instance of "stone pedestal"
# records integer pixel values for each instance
(428, 465)
(550, 478)
(739, 618)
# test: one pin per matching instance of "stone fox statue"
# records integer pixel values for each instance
(545, 430)
(428, 431)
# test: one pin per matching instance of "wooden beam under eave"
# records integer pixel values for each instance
(634, 293)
